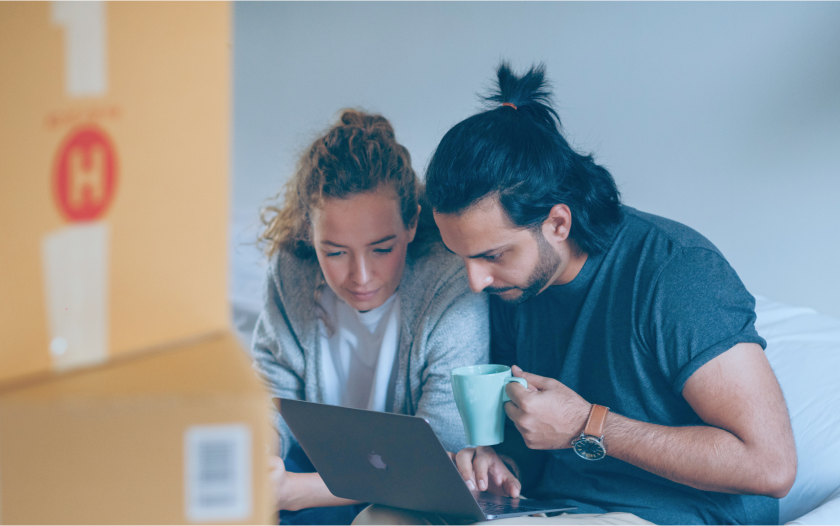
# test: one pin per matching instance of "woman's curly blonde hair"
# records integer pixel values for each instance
(356, 155)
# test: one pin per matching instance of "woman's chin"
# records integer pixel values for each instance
(366, 301)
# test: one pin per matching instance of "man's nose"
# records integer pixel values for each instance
(478, 276)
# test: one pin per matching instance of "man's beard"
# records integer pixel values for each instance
(548, 260)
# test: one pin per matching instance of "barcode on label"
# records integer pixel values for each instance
(218, 473)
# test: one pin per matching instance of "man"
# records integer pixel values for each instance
(606, 307)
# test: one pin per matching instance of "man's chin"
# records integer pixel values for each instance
(512, 295)
(515, 295)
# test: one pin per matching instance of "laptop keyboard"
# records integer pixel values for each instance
(491, 508)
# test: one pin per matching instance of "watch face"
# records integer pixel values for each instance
(590, 448)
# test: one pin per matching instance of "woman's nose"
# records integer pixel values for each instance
(360, 272)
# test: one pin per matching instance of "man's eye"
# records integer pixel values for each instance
(493, 256)
(383, 250)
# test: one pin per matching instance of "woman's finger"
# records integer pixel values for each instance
(481, 464)
(464, 462)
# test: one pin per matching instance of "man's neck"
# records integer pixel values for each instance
(569, 271)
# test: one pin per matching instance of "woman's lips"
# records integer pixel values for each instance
(364, 295)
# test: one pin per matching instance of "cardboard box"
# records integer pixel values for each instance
(173, 436)
(124, 398)
(128, 173)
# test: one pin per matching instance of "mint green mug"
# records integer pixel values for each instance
(480, 397)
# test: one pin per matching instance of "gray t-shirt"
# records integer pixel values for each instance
(627, 333)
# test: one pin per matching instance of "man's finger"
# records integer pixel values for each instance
(513, 411)
(516, 392)
(540, 382)
(464, 463)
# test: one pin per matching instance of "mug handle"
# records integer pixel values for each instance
(521, 381)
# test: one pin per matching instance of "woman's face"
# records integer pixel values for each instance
(361, 244)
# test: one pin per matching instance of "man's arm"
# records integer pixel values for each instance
(747, 447)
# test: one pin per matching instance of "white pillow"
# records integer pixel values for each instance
(803, 348)
(827, 513)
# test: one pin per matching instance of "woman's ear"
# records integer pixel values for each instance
(412, 228)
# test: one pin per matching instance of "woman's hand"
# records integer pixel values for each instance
(282, 483)
(483, 470)
(296, 491)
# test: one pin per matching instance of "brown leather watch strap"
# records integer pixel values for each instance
(595, 422)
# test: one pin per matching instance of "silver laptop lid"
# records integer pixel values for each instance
(383, 458)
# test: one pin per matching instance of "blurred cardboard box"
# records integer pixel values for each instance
(113, 198)
(172, 436)
(123, 396)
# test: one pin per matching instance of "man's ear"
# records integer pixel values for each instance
(558, 225)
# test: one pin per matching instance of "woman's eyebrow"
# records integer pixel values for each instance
(384, 239)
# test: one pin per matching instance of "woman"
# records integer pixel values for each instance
(364, 306)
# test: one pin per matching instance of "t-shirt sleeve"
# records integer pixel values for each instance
(502, 332)
(700, 309)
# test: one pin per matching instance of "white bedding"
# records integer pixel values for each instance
(804, 350)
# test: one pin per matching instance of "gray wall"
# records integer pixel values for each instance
(723, 116)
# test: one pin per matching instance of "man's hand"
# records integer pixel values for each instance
(483, 470)
(548, 414)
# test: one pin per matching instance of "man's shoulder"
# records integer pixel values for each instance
(657, 231)
(659, 253)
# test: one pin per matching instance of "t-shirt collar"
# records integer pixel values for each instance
(582, 279)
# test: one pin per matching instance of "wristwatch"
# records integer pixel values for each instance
(590, 444)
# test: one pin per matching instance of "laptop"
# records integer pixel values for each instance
(391, 459)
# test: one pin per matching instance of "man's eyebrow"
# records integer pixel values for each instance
(488, 252)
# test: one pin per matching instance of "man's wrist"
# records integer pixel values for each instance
(582, 417)
(590, 444)
(585, 413)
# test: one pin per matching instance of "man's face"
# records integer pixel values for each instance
(516, 264)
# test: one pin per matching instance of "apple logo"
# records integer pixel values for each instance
(376, 461)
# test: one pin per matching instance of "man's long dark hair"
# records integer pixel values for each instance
(518, 155)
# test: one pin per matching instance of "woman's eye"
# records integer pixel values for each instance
(334, 254)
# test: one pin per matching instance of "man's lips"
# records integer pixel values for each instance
(501, 290)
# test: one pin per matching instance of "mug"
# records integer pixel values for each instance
(480, 397)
